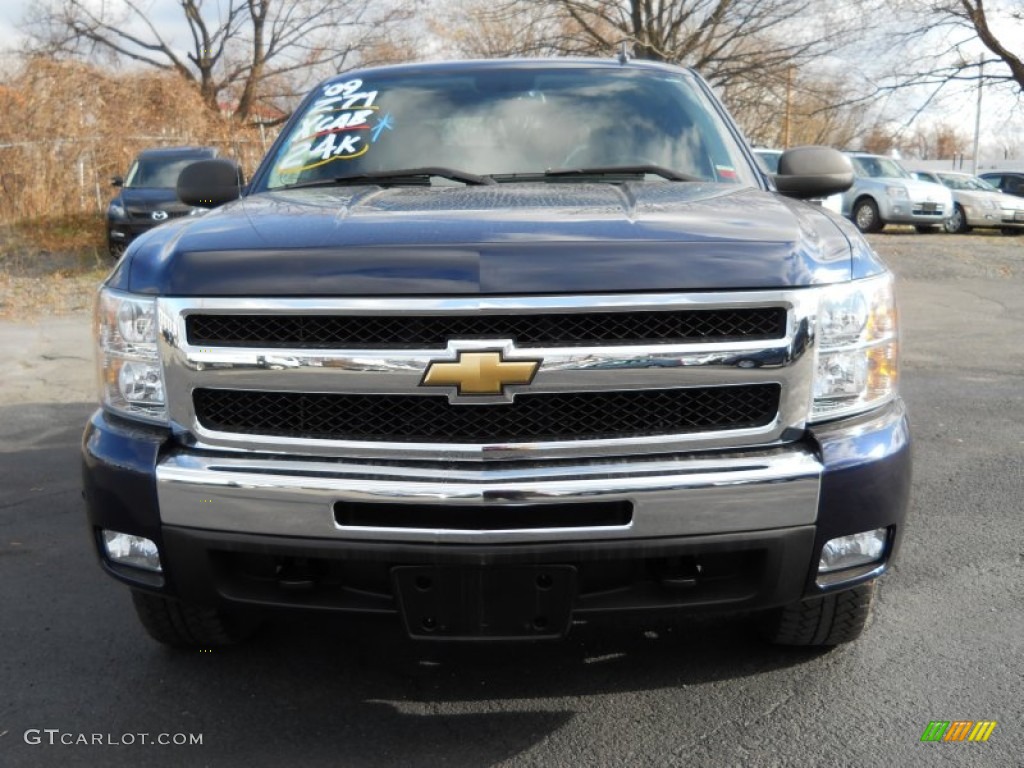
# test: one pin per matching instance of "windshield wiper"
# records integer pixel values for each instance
(397, 177)
(623, 170)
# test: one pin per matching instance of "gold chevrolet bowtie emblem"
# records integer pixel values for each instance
(480, 373)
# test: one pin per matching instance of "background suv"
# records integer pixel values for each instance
(883, 192)
(147, 197)
(977, 203)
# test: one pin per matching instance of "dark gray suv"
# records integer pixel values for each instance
(146, 197)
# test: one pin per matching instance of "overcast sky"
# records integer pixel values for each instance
(10, 13)
(166, 14)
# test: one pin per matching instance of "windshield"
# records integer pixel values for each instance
(878, 168)
(504, 122)
(158, 172)
(968, 183)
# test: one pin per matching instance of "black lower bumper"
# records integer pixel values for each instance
(741, 571)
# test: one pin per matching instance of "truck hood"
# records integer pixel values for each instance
(497, 240)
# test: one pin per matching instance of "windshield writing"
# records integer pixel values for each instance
(508, 122)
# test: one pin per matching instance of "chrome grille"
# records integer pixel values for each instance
(550, 416)
(659, 380)
(433, 332)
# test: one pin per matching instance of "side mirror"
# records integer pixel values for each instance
(209, 183)
(116, 181)
(809, 172)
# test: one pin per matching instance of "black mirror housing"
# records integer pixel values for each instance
(809, 172)
(116, 181)
(209, 183)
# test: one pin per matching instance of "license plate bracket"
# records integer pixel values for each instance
(497, 602)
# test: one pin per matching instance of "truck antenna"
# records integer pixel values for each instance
(623, 52)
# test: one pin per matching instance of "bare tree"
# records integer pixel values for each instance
(879, 140)
(941, 141)
(483, 29)
(727, 40)
(972, 17)
(805, 106)
(764, 56)
(242, 50)
(958, 41)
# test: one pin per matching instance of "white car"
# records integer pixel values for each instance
(978, 203)
(883, 192)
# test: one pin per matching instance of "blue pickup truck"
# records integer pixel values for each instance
(496, 348)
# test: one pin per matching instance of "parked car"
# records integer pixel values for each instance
(883, 192)
(977, 203)
(146, 195)
(768, 158)
(1010, 182)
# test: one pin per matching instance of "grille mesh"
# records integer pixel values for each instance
(532, 417)
(426, 331)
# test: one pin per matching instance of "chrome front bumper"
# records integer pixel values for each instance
(233, 528)
(670, 496)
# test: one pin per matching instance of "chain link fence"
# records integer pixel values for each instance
(64, 177)
(67, 128)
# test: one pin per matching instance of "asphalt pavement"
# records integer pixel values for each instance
(946, 641)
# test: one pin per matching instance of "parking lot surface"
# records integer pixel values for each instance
(946, 641)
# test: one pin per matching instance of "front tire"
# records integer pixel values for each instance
(839, 617)
(866, 216)
(957, 223)
(184, 625)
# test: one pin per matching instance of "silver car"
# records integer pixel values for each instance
(883, 192)
(978, 203)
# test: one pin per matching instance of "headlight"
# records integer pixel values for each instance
(131, 378)
(857, 365)
(897, 192)
(116, 211)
